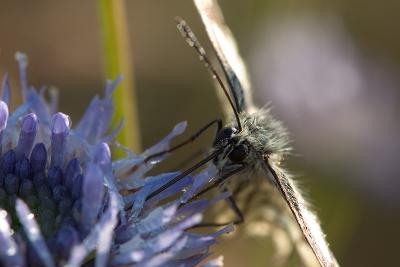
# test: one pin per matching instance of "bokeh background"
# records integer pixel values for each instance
(329, 69)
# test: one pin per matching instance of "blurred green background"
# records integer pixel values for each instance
(346, 130)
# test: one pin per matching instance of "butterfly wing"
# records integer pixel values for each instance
(236, 75)
(227, 53)
(267, 215)
(306, 220)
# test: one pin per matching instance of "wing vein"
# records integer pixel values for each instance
(306, 220)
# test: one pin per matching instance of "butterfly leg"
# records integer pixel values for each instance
(189, 140)
(230, 200)
(235, 208)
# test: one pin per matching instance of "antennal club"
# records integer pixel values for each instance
(192, 41)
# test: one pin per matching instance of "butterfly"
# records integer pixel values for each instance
(253, 144)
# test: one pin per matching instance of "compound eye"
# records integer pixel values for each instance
(224, 134)
(238, 154)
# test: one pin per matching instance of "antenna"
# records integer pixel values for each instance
(192, 41)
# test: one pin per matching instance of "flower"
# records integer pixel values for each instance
(64, 202)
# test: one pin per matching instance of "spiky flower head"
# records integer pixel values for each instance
(64, 202)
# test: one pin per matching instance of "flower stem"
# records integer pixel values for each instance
(118, 60)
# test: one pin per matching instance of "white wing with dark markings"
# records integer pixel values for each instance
(306, 220)
(227, 53)
(239, 85)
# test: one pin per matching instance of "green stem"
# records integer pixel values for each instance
(118, 60)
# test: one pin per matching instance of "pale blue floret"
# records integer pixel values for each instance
(61, 200)
(33, 233)
(10, 254)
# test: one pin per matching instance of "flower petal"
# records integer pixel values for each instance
(22, 64)
(139, 198)
(92, 197)
(3, 115)
(3, 120)
(106, 222)
(199, 181)
(217, 262)
(27, 135)
(90, 127)
(5, 89)
(111, 85)
(38, 158)
(10, 255)
(103, 159)
(200, 243)
(106, 234)
(164, 143)
(33, 233)
(129, 172)
(59, 131)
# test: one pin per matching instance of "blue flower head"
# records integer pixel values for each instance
(64, 202)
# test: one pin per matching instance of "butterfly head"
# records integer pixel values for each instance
(234, 148)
